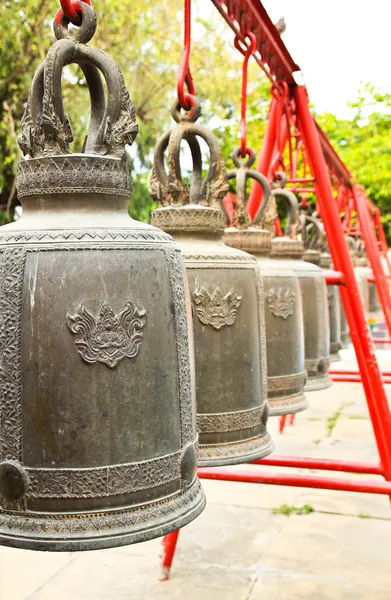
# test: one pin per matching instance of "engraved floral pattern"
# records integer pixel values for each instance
(281, 302)
(217, 309)
(109, 338)
(11, 280)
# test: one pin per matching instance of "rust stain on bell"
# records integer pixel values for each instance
(98, 442)
(227, 299)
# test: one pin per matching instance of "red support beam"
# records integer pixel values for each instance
(244, 475)
(321, 464)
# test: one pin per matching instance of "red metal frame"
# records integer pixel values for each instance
(325, 166)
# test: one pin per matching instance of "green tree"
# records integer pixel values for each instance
(364, 144)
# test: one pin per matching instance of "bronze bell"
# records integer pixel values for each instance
(283, 307)
(314, 297)
(318, 253)
(98, 436)
(227, 297)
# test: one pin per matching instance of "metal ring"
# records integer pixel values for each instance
(191, 116)
(236, 157)
(82, 34)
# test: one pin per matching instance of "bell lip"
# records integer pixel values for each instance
(335, 356)
(188, 218)
(318, 383)
(84, 543)
(288, 405)
(235, 455)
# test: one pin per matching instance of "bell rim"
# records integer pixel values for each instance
(317, 383)
(287, 405)
(236, 455)
(192, 501)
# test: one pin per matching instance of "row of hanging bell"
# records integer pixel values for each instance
(98, 440)
(317, 252)
(227, 298)
(313, 289)
(286, 374)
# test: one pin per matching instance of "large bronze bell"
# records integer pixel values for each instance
(283, 308)
(314, 296)
(227, 297)
(98, 436)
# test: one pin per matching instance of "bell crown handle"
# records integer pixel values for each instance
(167, 186)
(292, 207)
(242, 173)
(46, 128)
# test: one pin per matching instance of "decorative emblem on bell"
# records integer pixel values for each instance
(227, 298)
(98, 428)
(290, 252)
(283, 309)
(216, 309)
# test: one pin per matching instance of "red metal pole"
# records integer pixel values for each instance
(368, 235)
(169, 543)
(296, 480)
(265, 158)
(321, 464)
(360, 334)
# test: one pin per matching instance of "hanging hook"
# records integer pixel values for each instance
(186, 101)
(71, 10)
(247, 52)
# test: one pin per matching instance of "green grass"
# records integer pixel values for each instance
(332, 421)
(289, 509)
(364, 516)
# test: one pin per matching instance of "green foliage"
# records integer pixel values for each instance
(141, 205)
(364, 144)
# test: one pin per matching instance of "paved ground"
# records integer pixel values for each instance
(244, 546)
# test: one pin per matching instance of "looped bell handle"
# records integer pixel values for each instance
(316, 238)
(45, 127)
(242, 174)
(159, 186)
(215, 185)
(292, 207)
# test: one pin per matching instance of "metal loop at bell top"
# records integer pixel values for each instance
(82, 34)
(239, 161)
(191, 116)
(279, 183)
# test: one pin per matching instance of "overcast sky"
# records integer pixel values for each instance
(337, 44)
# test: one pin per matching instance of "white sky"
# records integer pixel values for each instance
(338, 44)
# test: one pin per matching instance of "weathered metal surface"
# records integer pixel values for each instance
(283, 307)
(98, 431)
(334, 302)
(228, 302)
(314, 297)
